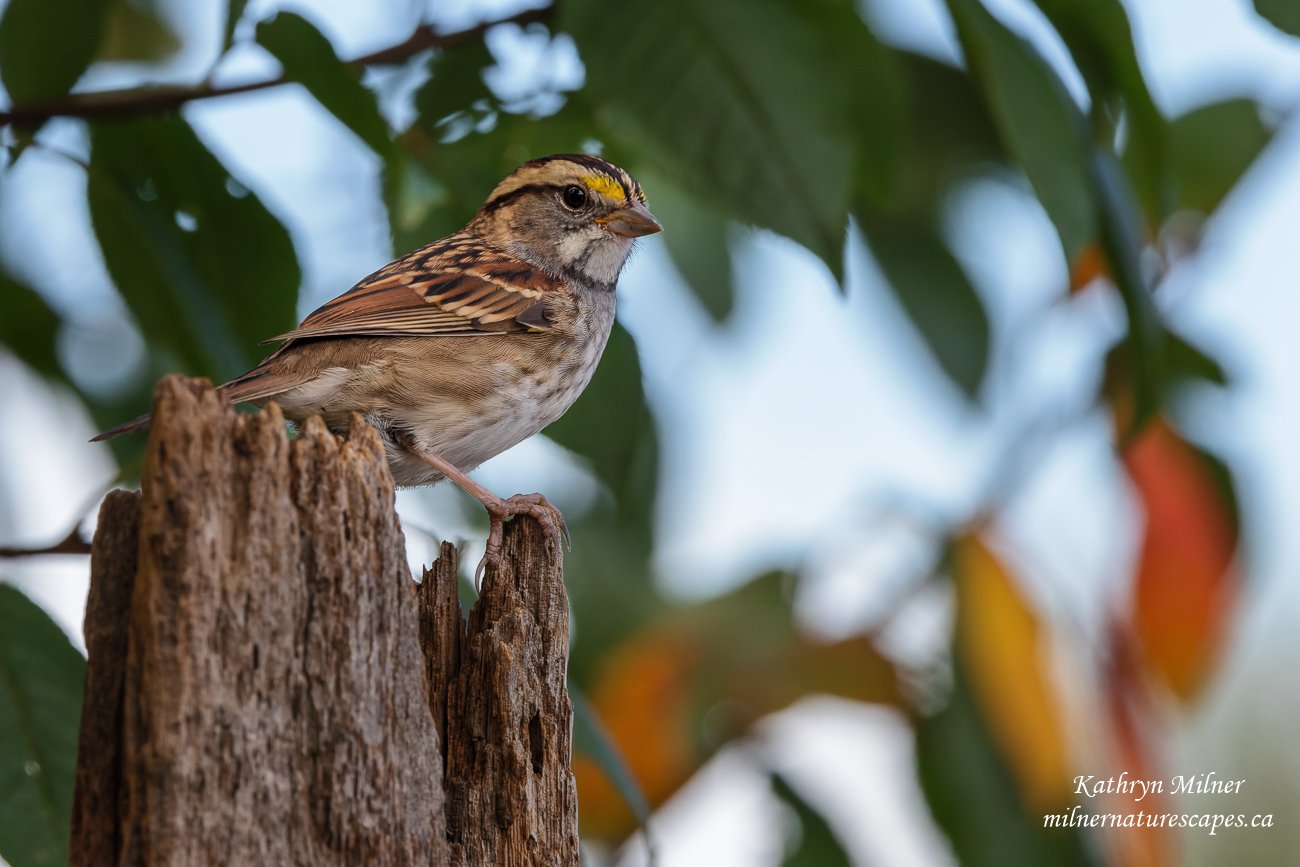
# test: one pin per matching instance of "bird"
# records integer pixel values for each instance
(469, 345)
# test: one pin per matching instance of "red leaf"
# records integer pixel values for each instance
(1185, 577)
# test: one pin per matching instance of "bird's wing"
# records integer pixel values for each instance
(458, 286)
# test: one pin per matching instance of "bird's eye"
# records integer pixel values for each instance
(574, 196)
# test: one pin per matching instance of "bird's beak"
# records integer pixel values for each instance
(631, 222)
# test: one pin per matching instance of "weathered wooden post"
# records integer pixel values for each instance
(267, 685)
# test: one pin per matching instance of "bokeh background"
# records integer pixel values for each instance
(945, 449)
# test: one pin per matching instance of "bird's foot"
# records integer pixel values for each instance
(499, 511)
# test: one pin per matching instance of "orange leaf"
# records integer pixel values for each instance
(1089, 264)
(674, 692)
(1128, 711)
(1185, 575)
(1000, 646)
(642, 694)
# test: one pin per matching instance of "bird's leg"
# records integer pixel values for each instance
(499, 510)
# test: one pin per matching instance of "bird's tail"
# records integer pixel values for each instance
(138, 423)
(261, 383)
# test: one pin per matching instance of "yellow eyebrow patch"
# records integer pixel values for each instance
(606, 186)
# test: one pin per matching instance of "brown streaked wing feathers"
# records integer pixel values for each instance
(458, 286)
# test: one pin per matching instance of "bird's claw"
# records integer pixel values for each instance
(535, 506)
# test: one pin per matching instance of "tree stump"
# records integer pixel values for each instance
(267, 685)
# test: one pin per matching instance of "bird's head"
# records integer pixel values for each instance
(571, 214)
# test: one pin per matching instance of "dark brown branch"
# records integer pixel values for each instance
(73, 543)
(136, 101)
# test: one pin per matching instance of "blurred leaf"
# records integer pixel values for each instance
(1004, 659)
(1100, 40)
(1121, 239)
(729, 98)
(1132, 723)
(206, 270)
(643, 695)
(948, 128)
(1081, 185)
(309, 59)
(135, 31)
(45, 45)
(973, 798)
(937, 296)
(873, 78)
(41, 678)
(1282, 14)
(29, 327)
(1186, 582)
(815, 842)
(695, 677)
(697, 240)
(234, 11)
(611, 426)
(455, 83)
(1089, 264)
(1184, 361)
(1036, 118)
(592, 742)
(1213, 146)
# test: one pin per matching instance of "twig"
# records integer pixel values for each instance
(73, 543)
(162, 100)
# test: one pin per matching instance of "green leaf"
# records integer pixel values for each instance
(814, 842)
(234, 11)
(1213, 146)
(611, 426)
(1100, 40)
(948, 130)
(45, 45)
(136, 31)
(41, 682)
(309, 59)
(1184, 361)
(29, 327)
(206, 270)
(697, 241)
(737, 100)
(1039, 124)
(875, 91)
(1121, 238)
(937, 296)
(974, 799)
(1282, 14)
(1081, 186)
(455, 83)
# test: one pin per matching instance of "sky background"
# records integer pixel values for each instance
(808, 416)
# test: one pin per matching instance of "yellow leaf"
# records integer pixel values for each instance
(1000, 646)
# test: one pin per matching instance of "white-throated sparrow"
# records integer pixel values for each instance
(467, 346)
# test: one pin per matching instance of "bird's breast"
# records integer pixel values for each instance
(523, 384)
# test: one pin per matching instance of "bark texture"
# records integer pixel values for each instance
(97, 807)
(267, 685)
(498, 687)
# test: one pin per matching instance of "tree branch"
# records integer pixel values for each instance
(73, 543)
(136, 101)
